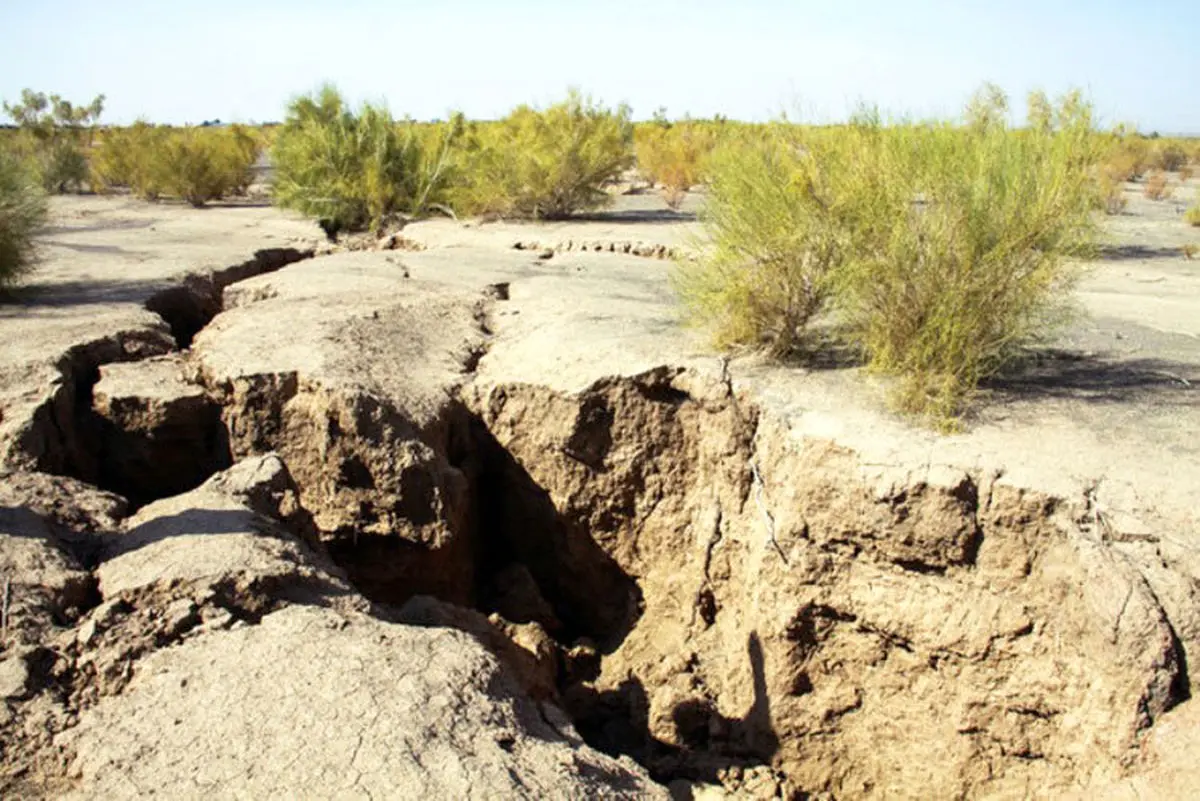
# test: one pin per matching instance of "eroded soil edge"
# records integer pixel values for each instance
(693, 586)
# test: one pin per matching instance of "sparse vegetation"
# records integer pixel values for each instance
(941, 248)
(22, 212)
(1156, 186)
(545, 164)
(1192, 215)
(356, 171)
(55, 136)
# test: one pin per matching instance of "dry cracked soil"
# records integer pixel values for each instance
(469, 514)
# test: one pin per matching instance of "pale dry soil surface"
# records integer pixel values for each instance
(472, 515)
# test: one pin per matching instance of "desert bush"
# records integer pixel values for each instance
(1040, 111)
(1192, 215)
(195, 164)
(773, 237)
(1110, 193)
(1127, 157)
(55, 135)
(22, 212)
(673, 156)
(200, 165)
(62, 165)
(1156, 187)
(1186, 172)
(1169, 156)
(965, 254)
(987, 108)
(941, 248)
(545, 164)
(131, 158)
(355, 171)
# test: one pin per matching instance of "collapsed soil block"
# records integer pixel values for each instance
(160, 434)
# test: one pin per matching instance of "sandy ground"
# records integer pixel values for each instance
(1112, 407)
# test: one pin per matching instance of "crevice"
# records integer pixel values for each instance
(68, 436)
(635, 504)
(188, 308)
(588, 592)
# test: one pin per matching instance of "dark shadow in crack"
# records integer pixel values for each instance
(617, 722)
(590, 594)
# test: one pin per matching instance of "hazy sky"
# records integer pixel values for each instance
(243, 59)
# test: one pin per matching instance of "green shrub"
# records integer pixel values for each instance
(200, 164)
(131, 158)
(941, 248)
(245, 146)
(358, 170)
(673, 156)
(773, 237)
(963, 256)
(195, 164)
(1192, 215)
(545, 164)
(55, 135)
(22, 212)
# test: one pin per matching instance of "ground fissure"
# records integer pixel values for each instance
(625, 526)
(653, 552)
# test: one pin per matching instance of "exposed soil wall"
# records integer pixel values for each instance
(699, 589)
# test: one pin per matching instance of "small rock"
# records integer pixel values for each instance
(14, 677)
(581, 662)
(216, 619)
(107, 612)
(87, 632)
(180, 616)
(685, 790)
(547, 253)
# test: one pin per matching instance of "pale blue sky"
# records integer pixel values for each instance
(242, 59)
